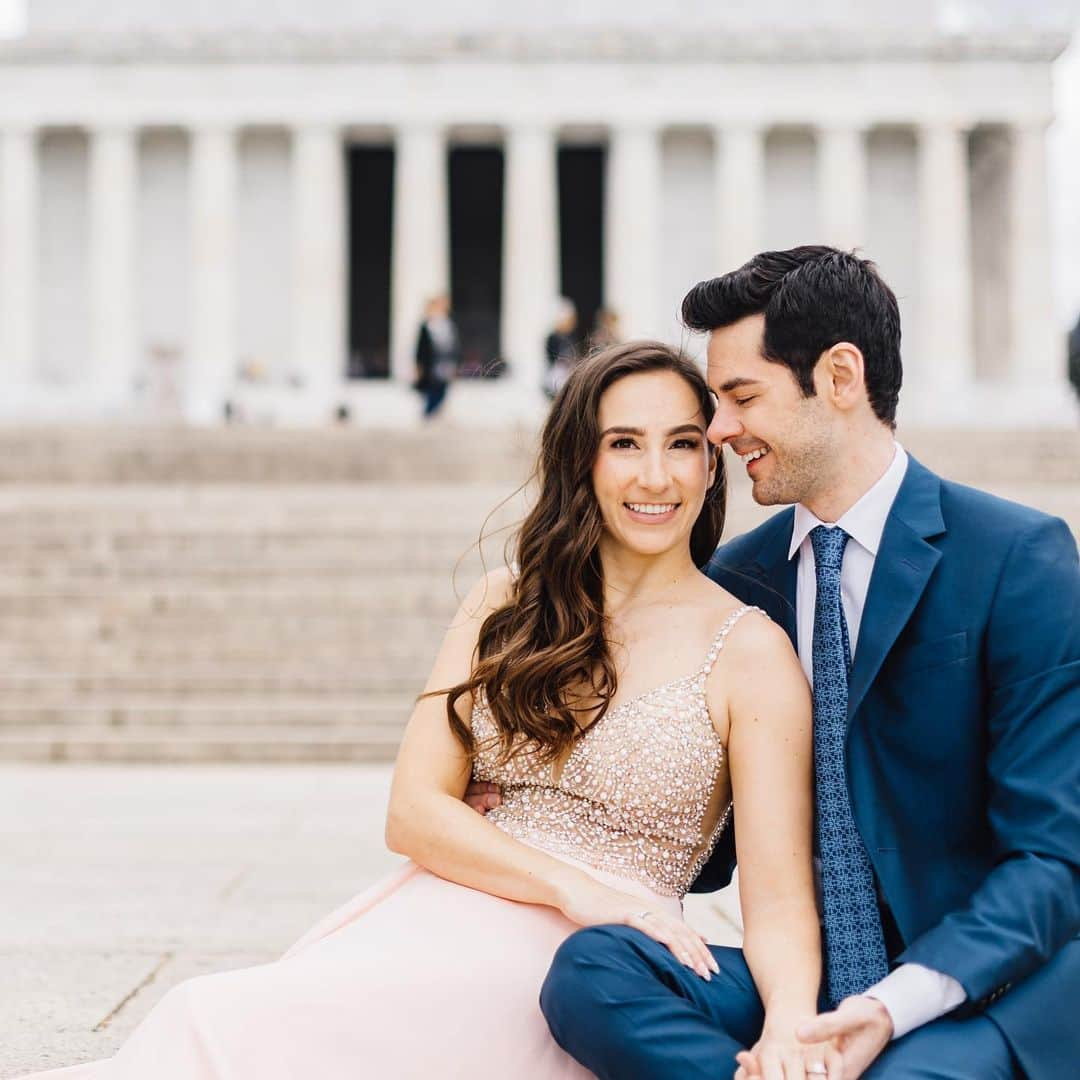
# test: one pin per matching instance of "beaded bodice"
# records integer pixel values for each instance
(644, 793)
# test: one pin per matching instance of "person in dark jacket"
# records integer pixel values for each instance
(1074, 357)
(438, 354)
(561, 348)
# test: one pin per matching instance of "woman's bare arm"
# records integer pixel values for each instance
(427, 819)
(770, 754)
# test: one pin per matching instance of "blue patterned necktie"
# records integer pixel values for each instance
(855, 956)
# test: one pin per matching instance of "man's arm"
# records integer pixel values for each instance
(1028, 907)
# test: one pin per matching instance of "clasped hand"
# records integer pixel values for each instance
(845, 1041)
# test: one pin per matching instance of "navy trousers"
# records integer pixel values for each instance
(622, 1005)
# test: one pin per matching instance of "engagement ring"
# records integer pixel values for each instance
(817, 1069)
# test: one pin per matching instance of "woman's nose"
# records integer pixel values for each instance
(654, 473)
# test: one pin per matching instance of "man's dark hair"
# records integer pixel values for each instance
(812, 297)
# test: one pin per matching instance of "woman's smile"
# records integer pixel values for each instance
(647, 513)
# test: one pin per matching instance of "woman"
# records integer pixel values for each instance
(621, 700)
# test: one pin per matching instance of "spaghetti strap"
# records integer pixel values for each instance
(722, 633)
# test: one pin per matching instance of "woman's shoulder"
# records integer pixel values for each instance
(746, 628)
(490, 592)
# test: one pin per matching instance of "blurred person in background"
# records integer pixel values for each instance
(438, 354)
(561, 347)
(605, 330)
(1074, 357)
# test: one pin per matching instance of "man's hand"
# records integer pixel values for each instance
(860, 1027)
(483, 797)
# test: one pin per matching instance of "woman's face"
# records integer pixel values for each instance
(654, 465)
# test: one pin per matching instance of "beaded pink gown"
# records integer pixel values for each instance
(422, 978)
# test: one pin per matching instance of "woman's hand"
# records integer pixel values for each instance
(779, 1055)
(588, 902)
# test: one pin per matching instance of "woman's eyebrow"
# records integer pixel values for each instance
(640, 432)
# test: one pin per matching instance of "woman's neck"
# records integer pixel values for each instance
(632, 580)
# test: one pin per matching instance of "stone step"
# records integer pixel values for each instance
(124, 657)
(429, 594)
(382, 633)
(209, 685)
(382, 717)
(243, 743)
(409, 547)
(288, 675)
(116, 454)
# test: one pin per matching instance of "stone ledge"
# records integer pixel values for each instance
(592, 46)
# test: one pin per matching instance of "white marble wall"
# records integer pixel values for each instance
(238, 221)
(62, 323)
(688, 225)
(264, 255)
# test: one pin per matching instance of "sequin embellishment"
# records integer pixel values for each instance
(633, 795)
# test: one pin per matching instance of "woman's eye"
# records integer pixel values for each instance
(686, 444)
(621, 444)
(740, 401)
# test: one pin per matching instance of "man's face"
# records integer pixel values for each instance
(787, 441)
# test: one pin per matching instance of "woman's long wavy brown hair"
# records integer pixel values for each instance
(538, 650)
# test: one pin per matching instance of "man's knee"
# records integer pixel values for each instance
(947, 1050)
(576, 984)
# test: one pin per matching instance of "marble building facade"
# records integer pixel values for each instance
(176, 202)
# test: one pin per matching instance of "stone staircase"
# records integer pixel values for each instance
(258, 596)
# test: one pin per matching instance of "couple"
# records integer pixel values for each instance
(606, 705)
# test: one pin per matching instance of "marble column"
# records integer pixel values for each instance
(319, 263)
(211, 366)
(842, 180)
(530, 253)
(421, 238)
(632, 229)
(113, 194)
(740, 193)
(19, 179)
(1038, 355)
(945, 360)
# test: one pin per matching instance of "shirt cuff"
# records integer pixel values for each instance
(914, 995)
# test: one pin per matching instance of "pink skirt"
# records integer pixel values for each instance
(417, 977)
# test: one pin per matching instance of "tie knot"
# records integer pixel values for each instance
(828, 547)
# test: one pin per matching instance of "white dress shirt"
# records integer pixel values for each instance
(913, 994)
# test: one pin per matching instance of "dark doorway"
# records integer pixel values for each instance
(581, 231)
(371, 197)
(476, 229)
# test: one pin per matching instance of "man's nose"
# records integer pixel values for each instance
(725, 425)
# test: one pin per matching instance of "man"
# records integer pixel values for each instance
(940, 628)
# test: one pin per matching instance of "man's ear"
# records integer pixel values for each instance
(844, 374)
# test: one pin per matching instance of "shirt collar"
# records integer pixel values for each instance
(865, 521)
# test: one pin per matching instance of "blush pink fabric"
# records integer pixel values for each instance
(415, 978)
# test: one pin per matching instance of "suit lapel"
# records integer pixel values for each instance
(902, 569)
(778, 573)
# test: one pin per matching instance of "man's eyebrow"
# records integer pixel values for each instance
(640, 432)
(735, 384)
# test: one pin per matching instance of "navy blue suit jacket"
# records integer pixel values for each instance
(963, 746)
